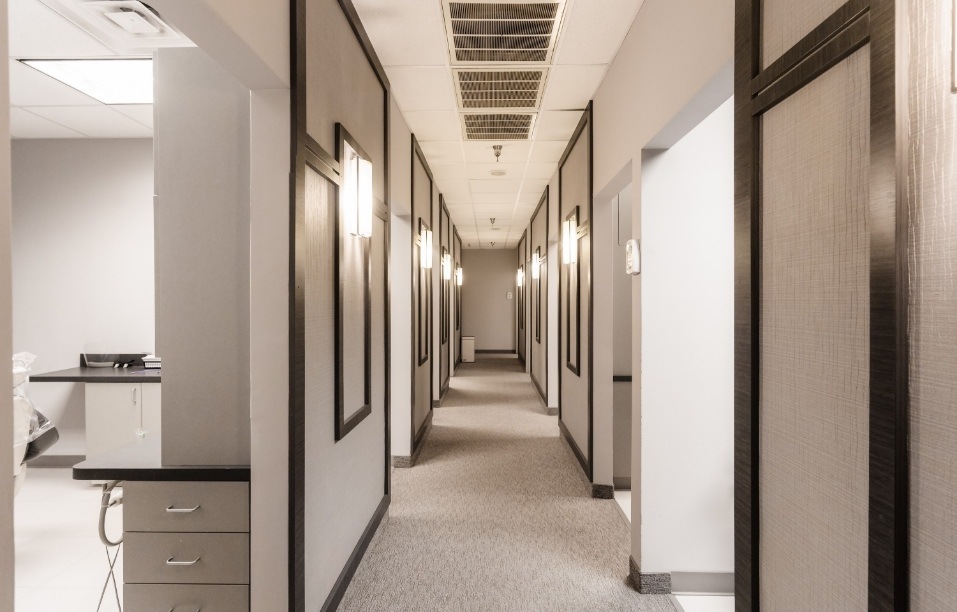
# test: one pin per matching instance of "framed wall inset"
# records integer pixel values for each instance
(446, 297)
(424, 297)
(538, 294)
(573, 296)
(353, 306)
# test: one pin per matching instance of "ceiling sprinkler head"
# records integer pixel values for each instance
(498, 151)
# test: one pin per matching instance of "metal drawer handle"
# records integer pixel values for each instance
(173, 510)
(182, 563)
(174, 608)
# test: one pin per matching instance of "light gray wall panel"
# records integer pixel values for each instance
(487, 312)
(933, 316)
(538, 230)
(202, 258)
(344, 479)
(421, 209)
(575, 191)
(785, 22)
(814, 345)
(342, 87)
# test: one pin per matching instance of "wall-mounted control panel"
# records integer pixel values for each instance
(633, 257)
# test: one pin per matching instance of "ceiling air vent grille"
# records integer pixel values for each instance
(498, 126)
(502, 32)
(504, 89)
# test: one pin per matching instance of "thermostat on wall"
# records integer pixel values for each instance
(633, 257)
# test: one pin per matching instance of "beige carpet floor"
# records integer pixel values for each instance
(496, 516)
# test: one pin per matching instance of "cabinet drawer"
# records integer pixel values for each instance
(185, 598)
(186, 558)
(186, 506)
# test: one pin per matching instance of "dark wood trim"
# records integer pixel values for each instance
(538, 388)
(582, 461)
(343, 425)
(365, 42)
(324, 156)
(543, 202)
(538, 301)
(889, 491)
(574, 366)
(849, 40)
(625, 378)
(419, 436)
(809, 45)
(345, 577)
(418, 155)
(424, 296)
(746, 311)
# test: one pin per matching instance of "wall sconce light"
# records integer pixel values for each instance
(536, 266)
(356, 192)
(425, 248)
(569, 242)
(520, 277)
(458, 276)
(447, 267)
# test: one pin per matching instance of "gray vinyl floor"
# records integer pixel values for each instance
(496, 516)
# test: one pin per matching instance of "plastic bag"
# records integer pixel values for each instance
(33, 432)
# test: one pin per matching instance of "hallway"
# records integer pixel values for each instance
(497, 515)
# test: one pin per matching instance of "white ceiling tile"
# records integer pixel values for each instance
(557, 125)
(36, 32)
(30, 87)
(511, 186)
(443, 152)
(547, 151)
(541, 171)
(94, 121)
(422, 88)
(407, 33)
(458, 172)
(142, 113)
(24, 124)
(493, 198)
(484, 170)
(482, 152)
(571, 87)
(434, 125)
(592, 32)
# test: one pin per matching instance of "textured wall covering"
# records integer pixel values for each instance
(785, 22)
(421, 209)
(814, 345)
(932, 183)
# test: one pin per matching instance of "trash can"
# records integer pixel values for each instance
(468, 349)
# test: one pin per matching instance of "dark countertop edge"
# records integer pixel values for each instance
(166, 473)
(98, 375)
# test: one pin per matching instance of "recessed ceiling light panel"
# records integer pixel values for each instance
(111, 81)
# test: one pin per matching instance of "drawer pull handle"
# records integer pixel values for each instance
(182, 563)
(174, 608)
(173, 510)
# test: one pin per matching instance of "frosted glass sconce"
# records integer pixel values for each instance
(447, 267)
(355, 192)
(536, 266)
(458, 276)
(425, 248)
(570, 240)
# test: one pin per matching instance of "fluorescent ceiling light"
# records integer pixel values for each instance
(111, 81)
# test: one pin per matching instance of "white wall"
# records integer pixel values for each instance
(6, 408)
(687, 515)
(621, 343)
(638, 97)
(82, 261)
(487, 313)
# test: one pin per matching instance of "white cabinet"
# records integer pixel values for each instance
(118, 414)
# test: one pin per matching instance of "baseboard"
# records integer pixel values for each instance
(437, 402)
(345, 577)
(538, 388)
(56, 461)
(602, 491)
(648, 583)
(622, 483)
(702, 583)
(551, 410)
(495, 352)
(567, 436)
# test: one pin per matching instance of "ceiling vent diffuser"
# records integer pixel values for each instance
(502, 32)
(499, 89)
(498, 126)
(126, 26)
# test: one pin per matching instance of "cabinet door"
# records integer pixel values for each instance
(152, 423)
(112, 416)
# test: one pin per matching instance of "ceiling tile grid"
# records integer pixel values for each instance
(452, 71)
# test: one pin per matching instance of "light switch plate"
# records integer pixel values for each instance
(633, 257)
(508, 295)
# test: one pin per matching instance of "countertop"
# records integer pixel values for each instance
(141, 461)
(100, 375)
